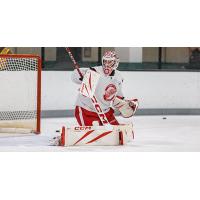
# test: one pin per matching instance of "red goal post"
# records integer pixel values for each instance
(20, 89)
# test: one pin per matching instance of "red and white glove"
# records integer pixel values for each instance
(127, 108)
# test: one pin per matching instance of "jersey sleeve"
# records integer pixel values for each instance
(120, 83)
(76, 77)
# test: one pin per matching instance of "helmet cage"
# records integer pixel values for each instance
(110, 62)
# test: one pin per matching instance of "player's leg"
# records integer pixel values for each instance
(79, 116)
(85, 117)
(111, 117)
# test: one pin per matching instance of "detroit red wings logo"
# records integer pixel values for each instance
(110, 92)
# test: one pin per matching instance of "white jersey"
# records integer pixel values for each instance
(107, 89)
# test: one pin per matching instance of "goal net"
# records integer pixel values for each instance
(20, 93)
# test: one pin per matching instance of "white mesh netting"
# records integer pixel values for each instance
(19, 91)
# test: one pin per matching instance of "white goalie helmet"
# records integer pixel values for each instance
(110, 62)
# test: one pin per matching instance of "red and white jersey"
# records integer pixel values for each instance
(107, 89)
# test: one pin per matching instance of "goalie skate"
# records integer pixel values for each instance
(55, 141)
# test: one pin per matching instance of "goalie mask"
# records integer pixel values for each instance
(110, 62)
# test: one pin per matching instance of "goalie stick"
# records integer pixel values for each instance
(94, 101)
(76, 66)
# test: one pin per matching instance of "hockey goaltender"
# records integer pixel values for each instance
(99, 95)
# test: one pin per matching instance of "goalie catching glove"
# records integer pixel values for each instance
(127, 108)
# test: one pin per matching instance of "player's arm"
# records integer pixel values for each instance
(126, 107)
(76, 77)
(120, 94)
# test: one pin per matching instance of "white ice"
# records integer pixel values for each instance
(152, 134)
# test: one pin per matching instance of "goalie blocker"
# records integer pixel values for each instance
(110, 135)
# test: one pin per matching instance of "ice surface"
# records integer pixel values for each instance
(152, 134)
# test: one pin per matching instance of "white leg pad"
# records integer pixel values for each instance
(97, 135)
